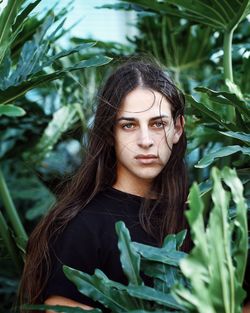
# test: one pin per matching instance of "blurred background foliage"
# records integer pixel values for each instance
(48, 98)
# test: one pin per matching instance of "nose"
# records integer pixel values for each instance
(145, 140)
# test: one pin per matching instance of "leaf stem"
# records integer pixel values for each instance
(10, 209)
(8, 241)
(227, 61)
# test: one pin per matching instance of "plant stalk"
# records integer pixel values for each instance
(8, 241)
(227, 61)
(227, 64)
(10, 209)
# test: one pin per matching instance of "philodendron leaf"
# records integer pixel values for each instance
(130, 259)
(11, 110)
(61, 122)
(7, 19)
(163, 255)
(216, 280)
(237, 135)
(220, 153)
(226, 98)
(24, 14)
(208, 114)
(57, 308)
(99, 288)
(221, 14)
(148, 293)
(14, 92)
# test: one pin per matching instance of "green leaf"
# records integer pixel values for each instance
(58, 308)
(195, 218)
(15, 92)
(217, 14)
(24, 14)
(98, 287)
(208, 114)
(180, 237)
(130, 259)
(62, 120)
(7, 19)
(237, 135)
(148, 293)
(220, 153)
(240, 222)
(11, 110)
(215, 284)
(227, 98)
(163, 255)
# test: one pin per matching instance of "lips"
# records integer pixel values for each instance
(146, 158)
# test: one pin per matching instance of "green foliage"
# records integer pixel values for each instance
(216, 14)
(214, 269)
(39, 118)
(30, 57)
(11, 110)
(213, 112)
(159, 263)
(58, 308)
(216, 265)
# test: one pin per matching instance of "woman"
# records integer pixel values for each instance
(134, 171)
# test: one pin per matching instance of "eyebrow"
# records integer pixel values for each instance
(131, 119)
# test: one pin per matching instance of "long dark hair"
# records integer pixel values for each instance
(98, 171)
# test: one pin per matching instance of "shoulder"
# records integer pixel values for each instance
(111, 202)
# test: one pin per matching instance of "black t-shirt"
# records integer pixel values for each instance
(89, 241)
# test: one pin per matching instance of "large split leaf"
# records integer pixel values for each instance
(217, 14)
(14, 92)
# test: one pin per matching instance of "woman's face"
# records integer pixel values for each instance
(144, 136)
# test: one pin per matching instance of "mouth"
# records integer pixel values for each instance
(146, 158)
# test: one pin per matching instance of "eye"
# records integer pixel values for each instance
(128, 126)
(159, 124)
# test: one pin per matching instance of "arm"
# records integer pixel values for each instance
(58, 300)
(246, 308)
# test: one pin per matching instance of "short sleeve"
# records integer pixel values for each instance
(78, 247)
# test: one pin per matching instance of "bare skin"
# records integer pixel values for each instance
(246, 308)
(58, 300)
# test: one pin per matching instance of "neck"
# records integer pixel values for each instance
(138, 189)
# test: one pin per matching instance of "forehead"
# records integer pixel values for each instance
(143, 102)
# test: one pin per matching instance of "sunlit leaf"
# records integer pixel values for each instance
(130, 259)
(222, 152)
(237, 135)
(11, 110)
(7, 19)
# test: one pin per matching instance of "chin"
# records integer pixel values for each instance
(149, 176)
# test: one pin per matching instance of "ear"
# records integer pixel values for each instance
(178, 128)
